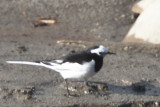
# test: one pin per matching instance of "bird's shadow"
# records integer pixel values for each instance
(139, 88)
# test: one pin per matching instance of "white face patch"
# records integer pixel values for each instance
(59, 61)
(100, 49)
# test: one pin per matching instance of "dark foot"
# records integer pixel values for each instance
(86, 83)
(71, 95)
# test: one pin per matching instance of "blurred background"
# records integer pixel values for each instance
(86, 20)
(48, 29)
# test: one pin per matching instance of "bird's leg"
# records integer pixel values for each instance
(86, 82)
(68, 93)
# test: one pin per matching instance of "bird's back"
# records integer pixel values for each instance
(84, 56)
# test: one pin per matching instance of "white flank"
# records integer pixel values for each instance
(76, 70)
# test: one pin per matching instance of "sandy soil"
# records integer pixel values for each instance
(129, 78)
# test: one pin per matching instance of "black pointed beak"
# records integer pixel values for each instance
(111, 53)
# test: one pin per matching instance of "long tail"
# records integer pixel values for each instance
(43, 64)
(25, 63)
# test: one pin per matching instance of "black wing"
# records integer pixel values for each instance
(84, 56)
(79, 57)
(50, 62)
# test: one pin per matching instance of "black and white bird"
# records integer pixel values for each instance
(77, 65)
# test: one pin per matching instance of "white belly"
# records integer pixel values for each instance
(76, 70)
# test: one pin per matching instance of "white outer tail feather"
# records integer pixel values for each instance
(31, 63)
(25, 63)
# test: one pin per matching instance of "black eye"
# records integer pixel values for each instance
(100, 53)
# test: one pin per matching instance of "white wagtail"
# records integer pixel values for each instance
(77, 65)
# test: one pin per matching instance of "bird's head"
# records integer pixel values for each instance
(100, 50)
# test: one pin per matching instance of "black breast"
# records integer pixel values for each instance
(98, 61)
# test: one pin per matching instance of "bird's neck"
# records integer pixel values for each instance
(98, 62)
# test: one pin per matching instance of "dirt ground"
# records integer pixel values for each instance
(129, 78)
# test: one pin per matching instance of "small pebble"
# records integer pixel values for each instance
(125, 48)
